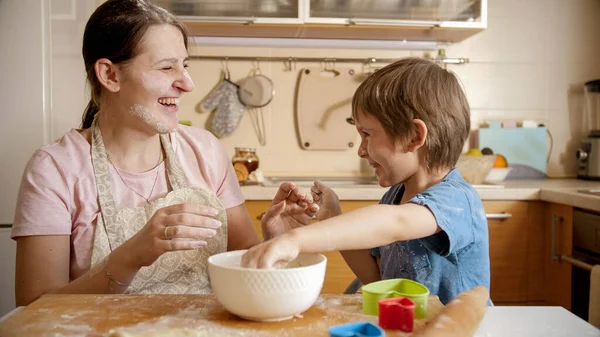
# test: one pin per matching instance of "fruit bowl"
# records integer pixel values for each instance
(266, 294)
(474, 169)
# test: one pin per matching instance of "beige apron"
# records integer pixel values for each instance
(181, 272)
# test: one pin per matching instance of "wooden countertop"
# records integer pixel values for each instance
(98, 315)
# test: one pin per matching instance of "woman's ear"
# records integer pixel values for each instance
(107, 74)
(419, 135)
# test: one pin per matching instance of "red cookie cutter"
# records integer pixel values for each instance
(397, 313)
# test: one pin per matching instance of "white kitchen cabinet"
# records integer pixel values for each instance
(7, 276)
(431, 13)
(411, 20)
(240, 11)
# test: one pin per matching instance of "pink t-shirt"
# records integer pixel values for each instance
(58, 189)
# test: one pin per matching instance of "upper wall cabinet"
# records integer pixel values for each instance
(411, 20)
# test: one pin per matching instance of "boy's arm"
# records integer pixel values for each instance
(363, 265)
(367, 227)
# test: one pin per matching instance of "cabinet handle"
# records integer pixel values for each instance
(555, 219)
(498, 216)
(383, 22)
(564, 258)
(576, 262)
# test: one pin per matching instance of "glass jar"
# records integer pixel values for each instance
(245, 161)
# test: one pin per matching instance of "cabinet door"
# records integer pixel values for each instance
(244, 11)
(338, 275)
(508, 250)
(433, 13)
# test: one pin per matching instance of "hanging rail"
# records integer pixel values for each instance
(368, 60)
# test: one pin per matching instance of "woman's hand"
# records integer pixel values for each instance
(172, 228)
(328, 201)
(290, 209)
(275, 253)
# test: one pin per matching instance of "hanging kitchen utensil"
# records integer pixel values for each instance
(321, 118)
(255, 92)
(229, 108)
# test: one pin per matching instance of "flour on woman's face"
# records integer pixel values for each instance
(144, 114)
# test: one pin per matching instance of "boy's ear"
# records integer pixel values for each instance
(419, 135)
(107, 74)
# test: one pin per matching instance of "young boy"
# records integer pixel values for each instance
(430, 226)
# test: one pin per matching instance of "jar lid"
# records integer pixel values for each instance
(245, 149)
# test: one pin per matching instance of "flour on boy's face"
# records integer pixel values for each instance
(392, 164)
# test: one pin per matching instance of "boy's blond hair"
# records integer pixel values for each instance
(415, 88)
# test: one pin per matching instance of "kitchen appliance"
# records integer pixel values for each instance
(588, 155)
(586, 248)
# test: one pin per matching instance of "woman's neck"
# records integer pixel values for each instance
(129, 149)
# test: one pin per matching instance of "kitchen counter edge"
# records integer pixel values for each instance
(560, 191)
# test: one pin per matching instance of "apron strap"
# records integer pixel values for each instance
(174, 170)
(108, 209)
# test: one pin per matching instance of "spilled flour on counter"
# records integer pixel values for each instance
(442, 319)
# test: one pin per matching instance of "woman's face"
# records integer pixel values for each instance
(154, 81)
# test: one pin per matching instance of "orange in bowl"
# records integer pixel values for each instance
(500, 162)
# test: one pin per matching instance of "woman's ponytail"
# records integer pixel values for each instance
(88, 116)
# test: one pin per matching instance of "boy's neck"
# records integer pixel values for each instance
(421, 181)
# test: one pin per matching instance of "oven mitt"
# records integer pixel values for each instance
(229, 109)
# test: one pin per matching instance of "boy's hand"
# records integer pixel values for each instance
(275, 253)
(328, 201)
(289, 209)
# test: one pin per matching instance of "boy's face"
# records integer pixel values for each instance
(392, 163)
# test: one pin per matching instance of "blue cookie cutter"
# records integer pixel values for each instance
(359, 329)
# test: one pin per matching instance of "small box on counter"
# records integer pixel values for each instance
(519, 145)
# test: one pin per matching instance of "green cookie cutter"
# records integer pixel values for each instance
(375, 291)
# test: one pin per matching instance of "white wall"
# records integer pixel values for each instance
(22, 93)
(42, 94)
(23, 26)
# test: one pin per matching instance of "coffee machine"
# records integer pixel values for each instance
(588, 155)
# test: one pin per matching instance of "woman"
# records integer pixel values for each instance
(133, 201)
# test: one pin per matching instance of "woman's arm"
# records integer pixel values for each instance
(43, 268)
(43, 261)
(240, 230)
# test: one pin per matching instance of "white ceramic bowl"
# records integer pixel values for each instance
(497, 175)
(266, 294)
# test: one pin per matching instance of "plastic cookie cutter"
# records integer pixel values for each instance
(393, 288)
(397, 313)
(358, 329)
